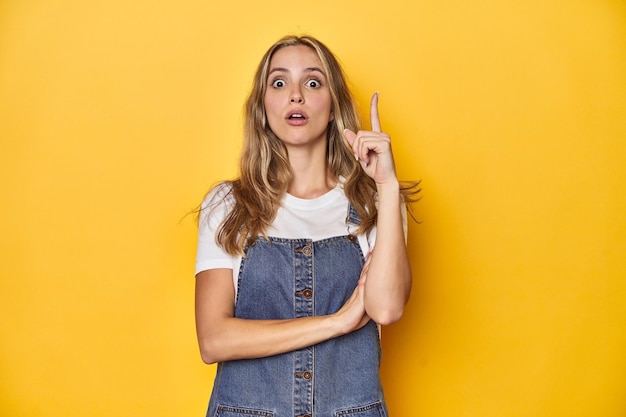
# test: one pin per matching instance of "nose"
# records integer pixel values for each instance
(296, 96)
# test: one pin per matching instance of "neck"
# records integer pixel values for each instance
(307, 187)
(310, 173)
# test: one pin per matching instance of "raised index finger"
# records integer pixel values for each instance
(374, 118)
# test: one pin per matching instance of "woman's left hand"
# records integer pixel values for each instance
(373, 148)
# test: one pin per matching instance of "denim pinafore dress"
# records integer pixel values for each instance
(286, 279)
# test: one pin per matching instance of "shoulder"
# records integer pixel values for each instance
(217, 202)
(218, 194)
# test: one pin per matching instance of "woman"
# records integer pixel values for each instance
(286, 302)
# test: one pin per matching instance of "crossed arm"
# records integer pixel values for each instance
(381, 294)
(222, 336)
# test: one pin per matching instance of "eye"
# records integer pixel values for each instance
(278, 83)
(313, 83)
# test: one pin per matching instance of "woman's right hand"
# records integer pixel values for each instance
(352, 313)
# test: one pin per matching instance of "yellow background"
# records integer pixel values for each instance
(116, 116)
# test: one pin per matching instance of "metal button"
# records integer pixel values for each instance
(307, 251)
(306, 375)
(352, 238)
(306, 293)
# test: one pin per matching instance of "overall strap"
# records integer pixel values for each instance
(352, 217)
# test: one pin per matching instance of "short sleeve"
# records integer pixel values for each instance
(214, 209)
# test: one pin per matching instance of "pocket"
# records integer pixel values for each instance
(370, 410)
(230, 411)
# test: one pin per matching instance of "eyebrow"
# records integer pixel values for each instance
(309, 69)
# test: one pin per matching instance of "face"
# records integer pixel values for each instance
(297, 100)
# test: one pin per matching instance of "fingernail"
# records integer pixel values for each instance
(356, 156)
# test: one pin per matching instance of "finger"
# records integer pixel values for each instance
(363, 276)
(349, 135)
(351, 139)
(374, 118)
(365, 268)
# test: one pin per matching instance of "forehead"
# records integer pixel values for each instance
(295, 57)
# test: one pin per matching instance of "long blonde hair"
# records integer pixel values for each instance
(265, 172)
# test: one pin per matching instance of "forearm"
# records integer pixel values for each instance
(235, 338)
(222, 336)
(388, 282)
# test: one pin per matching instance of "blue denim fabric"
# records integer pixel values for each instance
(291, 278)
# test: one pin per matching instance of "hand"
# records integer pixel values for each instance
(366, 266)
(373, 148)
(352, 314)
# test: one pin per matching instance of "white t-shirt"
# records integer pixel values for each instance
(315, 219)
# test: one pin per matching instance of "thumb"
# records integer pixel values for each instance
(349, 135)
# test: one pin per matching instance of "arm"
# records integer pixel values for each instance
(223, 337)
(388, 282)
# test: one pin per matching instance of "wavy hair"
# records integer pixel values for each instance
(265, 172)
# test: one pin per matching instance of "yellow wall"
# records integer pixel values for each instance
(116, 116)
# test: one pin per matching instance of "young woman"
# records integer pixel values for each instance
(290, 288)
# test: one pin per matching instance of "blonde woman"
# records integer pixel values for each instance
(303, 256)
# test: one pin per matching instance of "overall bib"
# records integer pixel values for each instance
(290, 278)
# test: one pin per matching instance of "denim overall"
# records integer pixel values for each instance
(290, 278)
